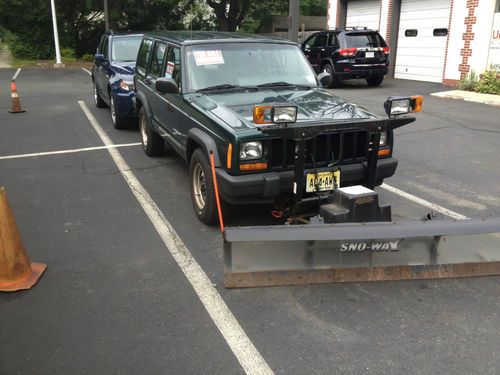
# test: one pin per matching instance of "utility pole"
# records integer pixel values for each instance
(58, 63)
(106, 15)
(293, 20)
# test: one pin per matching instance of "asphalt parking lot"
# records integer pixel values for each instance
(115, 301)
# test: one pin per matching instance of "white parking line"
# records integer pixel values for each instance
(244, 350)
(88, 71)
(14, 77)
(423, 202)
(72, 151)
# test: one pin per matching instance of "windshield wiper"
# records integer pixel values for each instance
(283, 84)
(224, 86)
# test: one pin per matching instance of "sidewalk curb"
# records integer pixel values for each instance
(469, 96)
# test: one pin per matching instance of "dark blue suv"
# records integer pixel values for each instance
(113, 76)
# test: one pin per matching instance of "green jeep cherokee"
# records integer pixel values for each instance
(209, 92)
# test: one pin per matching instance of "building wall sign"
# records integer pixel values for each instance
(494, 55)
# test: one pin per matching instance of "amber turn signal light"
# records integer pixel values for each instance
(262, 114)
(384, 152)
(416, 103)
(253, 167)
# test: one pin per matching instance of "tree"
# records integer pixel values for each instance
(229, 13)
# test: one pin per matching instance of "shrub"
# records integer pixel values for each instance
(489, 82)
(68, 54)
(469, 82)
(87, 57)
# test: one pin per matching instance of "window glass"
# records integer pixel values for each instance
(320, 40)
(357, 40)
(104, 47)
(173, 64)
(101, 44)
(157, 60)
(143, 56)
(310, 42)
(411, 32)
(440, 32)
(238, 64)
(124, 48)
(332, 40)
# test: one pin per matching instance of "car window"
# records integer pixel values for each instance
(356, 40)
(332, 40)
(104, 47)
(246, 64)
(320, 40)
(173, 64)
(101, 44)
(143, 56)
(157, 59)
(310, 42)
(124, 48)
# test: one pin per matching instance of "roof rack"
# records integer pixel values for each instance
(357, 28)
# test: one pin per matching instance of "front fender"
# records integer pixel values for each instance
(205, 141)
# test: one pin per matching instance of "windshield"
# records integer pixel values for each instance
(364, 40)
(246, 64)
(124, 48)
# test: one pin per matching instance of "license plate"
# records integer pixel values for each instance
(369, 55)
(323, 181)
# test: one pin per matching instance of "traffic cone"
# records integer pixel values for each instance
(16, 271)
(16, 103)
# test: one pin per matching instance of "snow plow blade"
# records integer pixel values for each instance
(355, 252)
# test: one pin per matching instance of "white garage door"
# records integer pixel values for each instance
(423, 28)
(363, 13)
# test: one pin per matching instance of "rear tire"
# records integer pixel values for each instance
(375, 80)
(152, 143)
(327, 68)
(118, 122)
(202, 188)
(99, 103)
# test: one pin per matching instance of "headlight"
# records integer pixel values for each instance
(126, 86)
(280, 113)
(400, 105)
(286, 114)
(383, 138)
(250, 150)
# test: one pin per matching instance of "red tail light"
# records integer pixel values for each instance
(387, 50)
(347, 51)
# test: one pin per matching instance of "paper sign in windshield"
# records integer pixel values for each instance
(210, 57)
(170, 69)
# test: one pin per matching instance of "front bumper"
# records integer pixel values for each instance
(124, 104)
(264, 187)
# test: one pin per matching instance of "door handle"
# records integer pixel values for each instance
(147, 81)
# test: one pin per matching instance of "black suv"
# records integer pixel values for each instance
(347, 54)
(210, 93)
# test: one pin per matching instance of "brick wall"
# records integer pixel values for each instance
(389, 23)
(467, 37)
(448, 82)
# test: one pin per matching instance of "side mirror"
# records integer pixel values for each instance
(99, 58)
(166, 86)
(325, 79)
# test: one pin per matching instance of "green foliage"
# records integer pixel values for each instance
(469, 82)
(68, 54)
(489, 82)
(87, 57)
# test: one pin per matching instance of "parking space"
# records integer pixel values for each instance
(114, 299)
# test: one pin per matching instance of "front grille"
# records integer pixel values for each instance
(344, 148)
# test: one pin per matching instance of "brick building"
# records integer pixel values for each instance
(430, 40)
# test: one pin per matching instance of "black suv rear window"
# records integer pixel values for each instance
(357, 40)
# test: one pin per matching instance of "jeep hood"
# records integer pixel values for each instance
(316, 105)
(123, 67)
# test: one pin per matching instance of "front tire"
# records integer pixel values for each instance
(152, 143)
(118, 121)
(99, 103)
(375, 80)
(202, 188)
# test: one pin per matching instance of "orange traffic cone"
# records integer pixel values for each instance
(16, 271)
(16, 103)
